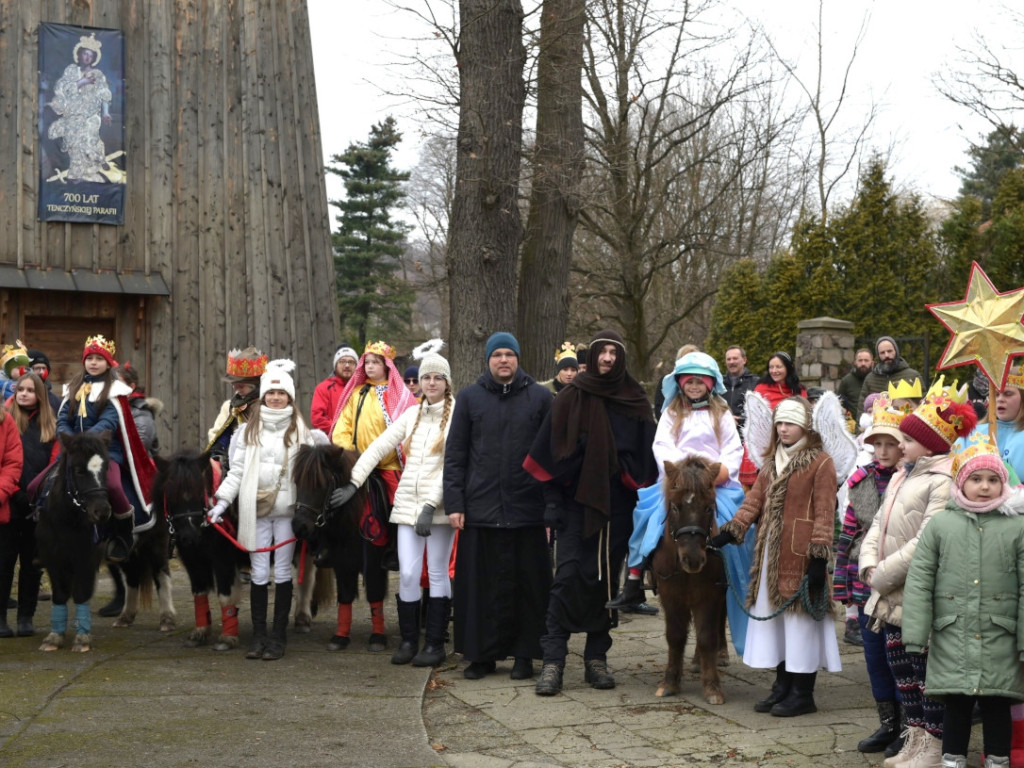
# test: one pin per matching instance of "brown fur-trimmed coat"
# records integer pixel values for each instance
(795, 517)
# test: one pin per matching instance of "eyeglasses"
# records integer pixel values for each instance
(412, 381)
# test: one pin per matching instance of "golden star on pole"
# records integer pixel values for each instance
(986, 327)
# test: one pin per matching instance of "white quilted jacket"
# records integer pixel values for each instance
(421, 478)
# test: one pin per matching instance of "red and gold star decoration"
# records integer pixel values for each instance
(987, 327)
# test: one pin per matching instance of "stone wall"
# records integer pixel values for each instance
(825, 350)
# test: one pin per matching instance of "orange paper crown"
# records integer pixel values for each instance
(381, 348)
(1015, 379)
(977, 445)
(248, 363)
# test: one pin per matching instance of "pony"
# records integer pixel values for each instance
(182, 491)
(70, 537)
(690, 582)
(317, 471)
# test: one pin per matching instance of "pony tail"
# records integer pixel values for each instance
(449, 400)
(408, 440)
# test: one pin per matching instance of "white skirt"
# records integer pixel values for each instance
(804, 644)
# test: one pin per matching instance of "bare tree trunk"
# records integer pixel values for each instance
(557, 166)
(486, 228)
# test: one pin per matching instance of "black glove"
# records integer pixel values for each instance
(342, 496)
(817, 570)
(20, 503)
(553, 517)
(719, 541)
(424, 521)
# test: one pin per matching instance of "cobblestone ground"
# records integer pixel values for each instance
(499, 723)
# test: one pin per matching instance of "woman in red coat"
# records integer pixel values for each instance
(780, 380)
(15, 529)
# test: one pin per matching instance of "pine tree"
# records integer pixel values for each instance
(368, 245)
(990, 162)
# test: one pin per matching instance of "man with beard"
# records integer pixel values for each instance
(852, 383)
(593, 452)
(738, 381)
(891, 369)
(504, 573)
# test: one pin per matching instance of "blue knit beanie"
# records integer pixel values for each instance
(500, 340)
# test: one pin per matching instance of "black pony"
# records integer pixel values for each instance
(182, 492)
(317, 471)
(691, 580)
(70, 534)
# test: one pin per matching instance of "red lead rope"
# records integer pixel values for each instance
(302, 560)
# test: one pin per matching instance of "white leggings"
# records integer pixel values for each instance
(410, 561)
(268, 531)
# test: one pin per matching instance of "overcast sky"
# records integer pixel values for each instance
(906, 43)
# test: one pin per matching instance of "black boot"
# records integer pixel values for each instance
(408, 629)
(888, 729)
(5, 630)
(279, 632)
(550, 681)
(800, 700)
(896, 745)
(122, 537)
(116, 604)
(433, 653)
(258, 608)
(780, 689)
(630, 596)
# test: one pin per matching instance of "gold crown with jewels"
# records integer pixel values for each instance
(381, 348)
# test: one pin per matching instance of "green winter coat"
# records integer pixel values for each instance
(964, 590)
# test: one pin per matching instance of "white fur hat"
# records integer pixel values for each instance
(278, 376)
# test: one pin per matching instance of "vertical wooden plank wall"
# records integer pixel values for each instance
(226, 197)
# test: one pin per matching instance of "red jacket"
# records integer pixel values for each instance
(10, 465)
(326, 397)
(776, 393)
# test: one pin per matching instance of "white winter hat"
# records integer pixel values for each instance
(344, 351)
(278, 376)
(435, 364)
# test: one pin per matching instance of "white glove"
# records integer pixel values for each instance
(217, 511)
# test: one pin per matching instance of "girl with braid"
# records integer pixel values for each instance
(418, 512)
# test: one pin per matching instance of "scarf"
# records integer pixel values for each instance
(581, 409)
(251, 469)
(785, 453)
(980, 506)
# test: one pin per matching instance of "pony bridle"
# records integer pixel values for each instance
(73, 492)
(690, 530)
(323, 514)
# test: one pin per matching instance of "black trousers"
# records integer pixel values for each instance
(995, 724)
(18, 545)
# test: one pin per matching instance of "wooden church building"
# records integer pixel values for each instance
(199, 118)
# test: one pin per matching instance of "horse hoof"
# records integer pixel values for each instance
(714, 697)
(52, 642)
(694, 668)
(83, 644)
(723, 661)
(303, 624)
(167, 624)
(226, 643)
(194, 642)
(666, 690)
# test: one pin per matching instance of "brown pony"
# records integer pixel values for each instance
(690, 582)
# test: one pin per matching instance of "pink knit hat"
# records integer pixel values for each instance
(978, 454)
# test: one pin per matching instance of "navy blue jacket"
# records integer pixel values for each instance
(492, 428)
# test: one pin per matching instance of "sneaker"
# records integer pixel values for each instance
(644, 608)
(550, 681)
(477, 670)
(852, 635)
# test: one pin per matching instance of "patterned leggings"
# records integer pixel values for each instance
(909, 671)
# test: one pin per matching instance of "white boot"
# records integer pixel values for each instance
(997, 762)
(912, 742)
(954, 761)
(929, 755)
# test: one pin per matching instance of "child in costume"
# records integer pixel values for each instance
(419, 513)
(964, 603)
(696, 421)
(866, 487)
(14, 361)
(261, 478)
(918, 491)
(373, 400)
(793, 504)
(95, 400)
(243, 372)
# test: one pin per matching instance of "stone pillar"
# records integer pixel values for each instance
(824, 351)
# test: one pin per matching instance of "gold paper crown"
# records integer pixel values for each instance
(905, 389)
(885, 414)
(12, 354)
(937, 402)
(92, 44)
(248, 363)
(568, 349)
(99, 342)
(381, 348)
(1015, 379)
(976, 445)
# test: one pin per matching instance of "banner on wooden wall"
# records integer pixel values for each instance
(81, 124)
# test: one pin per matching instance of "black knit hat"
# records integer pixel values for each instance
(35, 357)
